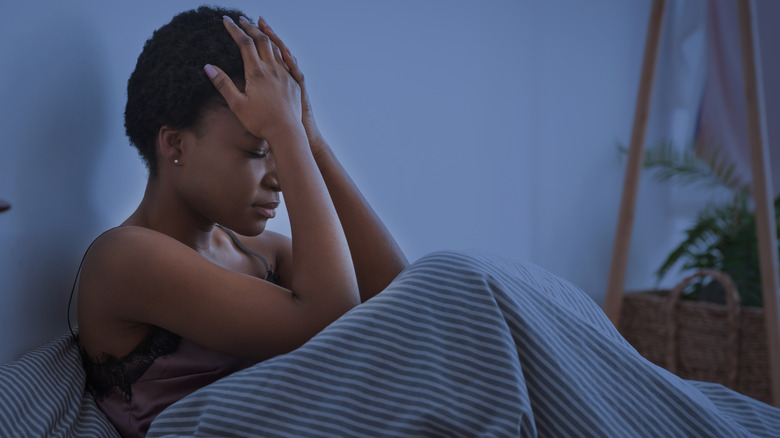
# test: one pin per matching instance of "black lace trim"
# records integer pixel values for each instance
(122, 373)
(273, 277)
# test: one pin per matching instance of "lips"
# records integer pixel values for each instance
(268, 209)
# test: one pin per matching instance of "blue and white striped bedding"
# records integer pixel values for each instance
(461, 346)
(457, 346)
(42, 395)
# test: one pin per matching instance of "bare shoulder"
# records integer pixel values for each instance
(127, 242)
(120, 249)
(130, 251)
(116, 266)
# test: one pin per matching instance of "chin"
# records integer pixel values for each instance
(251, 231)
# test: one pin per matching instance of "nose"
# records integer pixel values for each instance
(271, 178)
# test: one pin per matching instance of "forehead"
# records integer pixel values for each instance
(221, 122)
(218, 116)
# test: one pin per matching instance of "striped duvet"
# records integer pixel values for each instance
(457, 346)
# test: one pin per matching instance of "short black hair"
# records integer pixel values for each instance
(169, 86)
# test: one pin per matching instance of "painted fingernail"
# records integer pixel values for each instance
(211, 72)
(243, 20)
(227, 19)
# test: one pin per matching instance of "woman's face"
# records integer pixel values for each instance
(228, 175)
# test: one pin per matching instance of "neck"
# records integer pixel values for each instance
(161, 210)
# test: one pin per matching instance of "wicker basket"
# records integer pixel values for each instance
(698, 340)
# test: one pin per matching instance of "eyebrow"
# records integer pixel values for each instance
(254, 137)
(261, 141)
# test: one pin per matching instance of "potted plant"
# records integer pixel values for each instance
(723, 235)
(699, 336)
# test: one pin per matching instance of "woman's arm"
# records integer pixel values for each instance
(375, 254)
(267, 109)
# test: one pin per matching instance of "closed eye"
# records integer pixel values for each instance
(258, 154)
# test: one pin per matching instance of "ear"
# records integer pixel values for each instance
(169, 142)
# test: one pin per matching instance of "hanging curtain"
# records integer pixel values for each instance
(721, 132)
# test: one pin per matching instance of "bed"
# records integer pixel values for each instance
(457, 346)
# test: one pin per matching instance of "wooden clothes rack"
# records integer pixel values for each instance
(762, 179)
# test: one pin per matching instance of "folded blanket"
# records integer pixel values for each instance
(463, 346)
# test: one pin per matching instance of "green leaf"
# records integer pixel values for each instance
(672, 164)
(723, 236)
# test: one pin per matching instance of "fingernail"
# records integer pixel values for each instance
(227, 19)
(211, 72)
(243, 20)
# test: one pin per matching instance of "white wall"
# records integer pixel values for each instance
(488, 126)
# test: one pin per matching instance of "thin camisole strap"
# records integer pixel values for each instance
(271, 275)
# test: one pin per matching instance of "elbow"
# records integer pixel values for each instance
(332, 311)
(401, 263)
(338, 301)
(398, 264)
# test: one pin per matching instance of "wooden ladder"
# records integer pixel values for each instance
(762, 179)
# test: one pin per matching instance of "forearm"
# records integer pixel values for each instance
(376, 256)
(322, 276)
(320, 251)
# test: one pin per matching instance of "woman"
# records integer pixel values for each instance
(190, 288)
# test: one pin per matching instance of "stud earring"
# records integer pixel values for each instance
(176, 161)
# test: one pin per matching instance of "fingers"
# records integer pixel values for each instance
(266, 29)
(296, 72)
(289, 59)
(247, 47)
(261, 40)
(224, 85)
(279, 58)
(257, 51)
